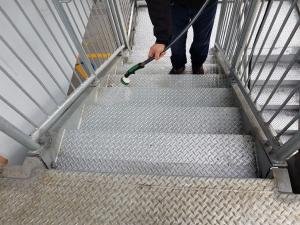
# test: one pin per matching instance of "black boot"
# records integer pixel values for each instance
(198, 69)
(177, 71)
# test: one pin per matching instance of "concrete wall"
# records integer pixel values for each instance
(8, 147)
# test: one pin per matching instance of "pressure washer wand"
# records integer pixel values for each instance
(125, 79)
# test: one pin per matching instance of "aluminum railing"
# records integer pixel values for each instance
(59, 48)
(250, 35)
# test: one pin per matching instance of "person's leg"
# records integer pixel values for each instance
(202, 33)
(180, 18)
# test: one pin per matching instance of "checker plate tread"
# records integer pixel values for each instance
(158, 154)
(55, 197)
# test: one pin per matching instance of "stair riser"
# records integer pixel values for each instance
(136, 58)
(170, 81)
(204, 97)
(163, 120)
(165, 69)
(161, 169)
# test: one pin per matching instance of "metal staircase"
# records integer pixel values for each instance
(167, 149)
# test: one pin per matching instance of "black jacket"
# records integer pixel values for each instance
(160, 15)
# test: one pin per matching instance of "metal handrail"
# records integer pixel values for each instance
(71, 44)
(238, 41)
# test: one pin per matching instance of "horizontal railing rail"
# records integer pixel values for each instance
(249, 33)
(52, 52)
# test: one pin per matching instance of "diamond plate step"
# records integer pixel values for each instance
(279, 97)
(163, 119)
(292, 77)
(164, 68)
(282, 120)
(158, 154)
(170, 81)
(193, 97)
(56, 197)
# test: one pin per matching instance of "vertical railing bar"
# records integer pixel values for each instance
(95, 24)
(120, 18)
(98, 30)
(227, 15)
(80, 34)
(96, 39)
(111, 28)
(119, 40)
(44, 43)
(251, 35)
(11, 78)
(221, 20)
(257, 38)
(108, 28)
(18, 111)
(96, 42)
(225, 27)
(237, 33)
(61, 29)
(268, 33)
(239, 36)
(129, 6)
(57, 42)
(126, 12)
(131, 19)
(233, 26)
(82, 54)
(32, 50)
(284, 103)
(114, 20)
(273, 45)
(288, 125)
(253, 8)
(275, 65)
(29, 70)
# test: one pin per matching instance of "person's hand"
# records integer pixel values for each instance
(156, 51)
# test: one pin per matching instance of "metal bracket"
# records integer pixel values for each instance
(282, 179)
